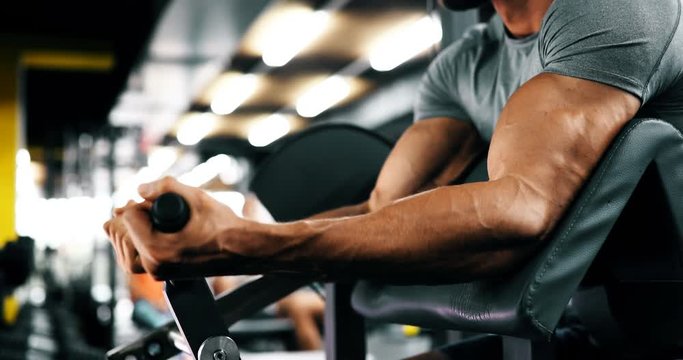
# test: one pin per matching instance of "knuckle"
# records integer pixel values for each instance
(127, 217)
(166, 182)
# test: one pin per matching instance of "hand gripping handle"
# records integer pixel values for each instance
(170, 213)
(191, 301)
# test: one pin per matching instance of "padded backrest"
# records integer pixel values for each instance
(530, 302)
(322, 168)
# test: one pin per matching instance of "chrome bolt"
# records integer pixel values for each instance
(220, 355)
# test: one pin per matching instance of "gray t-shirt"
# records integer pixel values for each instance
(634, 45)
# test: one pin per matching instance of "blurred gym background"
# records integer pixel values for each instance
(98, 97)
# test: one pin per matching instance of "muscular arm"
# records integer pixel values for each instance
(430, 153)
(548, 139)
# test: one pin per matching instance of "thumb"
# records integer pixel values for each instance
(152, 190)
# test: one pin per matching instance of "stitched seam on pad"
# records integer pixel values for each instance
(531, 292)
(530, 295)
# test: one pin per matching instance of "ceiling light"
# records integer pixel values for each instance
(195, 127)
(267, 130)
(233, 93)
(23, 158)
(400, 46)
(199, 175)
(206, 171)
(233, 199)
(230, 170)
(161, 158)
(292, 34)
(322, 96)
(129, 182)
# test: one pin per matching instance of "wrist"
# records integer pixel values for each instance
(282, 243)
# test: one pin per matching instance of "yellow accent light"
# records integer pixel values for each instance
(9, 138)
(67, 60)
(10, 310)
(410, 330)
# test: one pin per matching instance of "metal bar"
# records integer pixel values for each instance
(344, 328)
(525, 349)
(233, 306)
(195, 312)
(256, 295)
(157, 344)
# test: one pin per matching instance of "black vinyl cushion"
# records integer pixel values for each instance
(322, 168)
(530, 302)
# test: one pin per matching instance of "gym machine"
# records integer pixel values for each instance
(194, 307)
(614, 257)
(196, 329)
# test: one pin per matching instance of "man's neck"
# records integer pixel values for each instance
(522, 17)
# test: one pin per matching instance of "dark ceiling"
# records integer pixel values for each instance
(58, 100)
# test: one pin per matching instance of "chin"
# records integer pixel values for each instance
(460, 5)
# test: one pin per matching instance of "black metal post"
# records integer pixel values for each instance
(344, 328)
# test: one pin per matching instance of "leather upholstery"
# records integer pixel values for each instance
(322, 168)
(530, 302)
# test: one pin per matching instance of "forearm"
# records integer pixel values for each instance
(345, 211)
(549, 137)
(447, 234)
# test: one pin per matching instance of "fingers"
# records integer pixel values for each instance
(127, 256)
(116, 236)
(151, 191)
(129, 204)
(145, 205)
(137, 223)
(106, 226)
(138, 248)
(152, 247)
(131, 259)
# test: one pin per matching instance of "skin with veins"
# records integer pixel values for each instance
(549, 137)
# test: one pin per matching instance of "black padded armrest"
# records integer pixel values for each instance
(322, 168)
(530, 302)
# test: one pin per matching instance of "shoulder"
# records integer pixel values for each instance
(641, 20)
(609, 9)
(617, 42)
(474, 41)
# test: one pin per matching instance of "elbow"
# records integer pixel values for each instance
(384, 194)
(530, 226)
(379, 198)
(530, 214)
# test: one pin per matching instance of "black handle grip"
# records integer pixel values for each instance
(170, 213)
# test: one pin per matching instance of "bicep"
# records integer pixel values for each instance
(550, 136)
(424, 150)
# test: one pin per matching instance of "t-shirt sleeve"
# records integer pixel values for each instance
(616, 42)
(437, 94)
